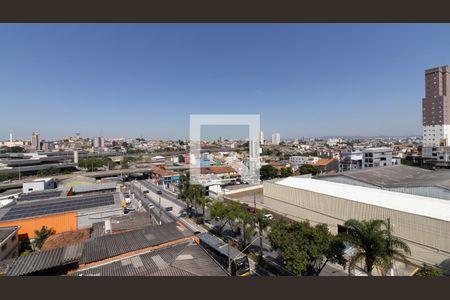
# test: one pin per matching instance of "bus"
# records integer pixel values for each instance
(219, 250)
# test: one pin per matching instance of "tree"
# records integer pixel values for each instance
(427, 270)
(193, 193)
(42, 235)
(261, 223)
(203, 202)
(247, 222)
(181, 158)
(48, 171)
(309, 169)
(91, 163)
(306, 249)
(374, 244)
(267, 171)
(218, 210)
(286, 172)
(124, 163)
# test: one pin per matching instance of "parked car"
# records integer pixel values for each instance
(268, 216)
(251, 210)
(159, 192)
(151, 206)
(146, 192)
(169, 208)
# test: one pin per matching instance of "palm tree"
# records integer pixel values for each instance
(203, 201)
(248, 225)
(261, 224)
(374, 244)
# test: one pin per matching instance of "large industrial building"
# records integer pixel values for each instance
(422, 222)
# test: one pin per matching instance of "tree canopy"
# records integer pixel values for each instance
(427, 270)
(304, 248)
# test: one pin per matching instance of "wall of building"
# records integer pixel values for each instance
(9, 248)
(432, 236)
(59, 222)
(87, 218)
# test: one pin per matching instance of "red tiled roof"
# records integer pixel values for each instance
(164, 173)
(217, 170)
(323, 162)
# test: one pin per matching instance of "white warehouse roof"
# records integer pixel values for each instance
(418, 205)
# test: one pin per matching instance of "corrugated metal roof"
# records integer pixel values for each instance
(112, 245)
(35, 262)
(418, 205)
(186, 259)
(43, 260)
(93, 187)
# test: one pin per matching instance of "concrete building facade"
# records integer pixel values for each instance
(422, 222)
(276, 138)
(436, 114)
(377, 157)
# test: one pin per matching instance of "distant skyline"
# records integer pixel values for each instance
(136, 80)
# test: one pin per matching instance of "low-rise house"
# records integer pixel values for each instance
(9, 242)
(327, 165)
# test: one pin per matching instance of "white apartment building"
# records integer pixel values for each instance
(377, 157)
(276, 138)
(303, 160)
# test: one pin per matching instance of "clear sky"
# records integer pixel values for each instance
(145, 79)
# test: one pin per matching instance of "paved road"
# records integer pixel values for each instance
(169, 198)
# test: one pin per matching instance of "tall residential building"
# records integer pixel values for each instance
(99, 142)
(261, 137)
(276, 138)
(436, 114)
(35, 141)
(10, 138)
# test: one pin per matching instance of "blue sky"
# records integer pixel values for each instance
(145, 79)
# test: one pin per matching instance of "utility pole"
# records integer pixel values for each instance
(254, 200)
(391, 270)
(160, 212)
(229, 257)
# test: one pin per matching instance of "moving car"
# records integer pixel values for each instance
(159, 192)
(146, 192)
(169, 208)
(151, 206)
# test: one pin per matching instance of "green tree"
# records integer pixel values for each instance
(42, 235)
(218, 210)
(124, 163)
(374, 244)
(309, 169)
(91, 163)
(247, 223)
(267, 171)
(203, 202)
(181, 158)
(49, 171)
(427, 270)
(306, 249)
(286, 172)
(262, 223)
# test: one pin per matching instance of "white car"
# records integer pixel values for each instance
(268, 216)
(151, 206)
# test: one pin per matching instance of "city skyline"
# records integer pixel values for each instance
(145, 80)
